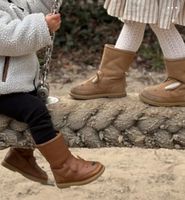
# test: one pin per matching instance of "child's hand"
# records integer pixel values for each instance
(53, 21)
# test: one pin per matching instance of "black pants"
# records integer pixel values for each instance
(28, 108)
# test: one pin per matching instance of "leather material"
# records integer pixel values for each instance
(24, 161)
(164, 94)
(176, 69)
(110, 78)
(65, 167)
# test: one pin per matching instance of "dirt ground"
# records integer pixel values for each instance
(132, 174)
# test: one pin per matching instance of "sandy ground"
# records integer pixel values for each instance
(132, 174)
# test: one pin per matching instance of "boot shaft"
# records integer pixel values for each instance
(176, 69)
(55, 151)
(115, 62)
(16, 154)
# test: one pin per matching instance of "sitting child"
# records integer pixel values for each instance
(25, 28)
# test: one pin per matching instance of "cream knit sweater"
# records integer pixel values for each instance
(23, 31)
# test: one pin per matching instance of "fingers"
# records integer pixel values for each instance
(53, 21)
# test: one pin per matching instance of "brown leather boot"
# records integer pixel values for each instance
(23, 161)
(68, 170)
(172, 91)
(110, 79)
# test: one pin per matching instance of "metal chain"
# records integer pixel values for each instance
(43, 87)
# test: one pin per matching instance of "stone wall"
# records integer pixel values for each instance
(105, 123)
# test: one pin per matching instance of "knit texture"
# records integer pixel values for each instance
(171, 42)
(131, 36)
(23, 32)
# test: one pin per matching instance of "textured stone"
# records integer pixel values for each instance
(106, 122)
(163, 139)
(136, 137)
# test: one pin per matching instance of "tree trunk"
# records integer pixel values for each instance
(106, 122)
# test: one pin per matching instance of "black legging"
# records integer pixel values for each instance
(28, 108)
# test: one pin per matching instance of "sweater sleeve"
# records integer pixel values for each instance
(43, 6)
(23, 37)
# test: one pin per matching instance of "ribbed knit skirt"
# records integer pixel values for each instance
(160, 12)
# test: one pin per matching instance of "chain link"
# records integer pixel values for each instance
(43, 87)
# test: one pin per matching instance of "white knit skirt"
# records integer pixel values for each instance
(160, 12)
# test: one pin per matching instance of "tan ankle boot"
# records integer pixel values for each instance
(68, 170)
(23, 161)
(172, 91)
(110, 79)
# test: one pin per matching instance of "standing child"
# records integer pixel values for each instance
(24, 30)
(110, 78)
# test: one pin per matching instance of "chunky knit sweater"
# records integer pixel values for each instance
(23, 31)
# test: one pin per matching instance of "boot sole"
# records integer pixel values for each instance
(89, 180)
(32, 178)
(154, 103)
(84, 97)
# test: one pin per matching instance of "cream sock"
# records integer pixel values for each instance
(171, 42)
(131, 36)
